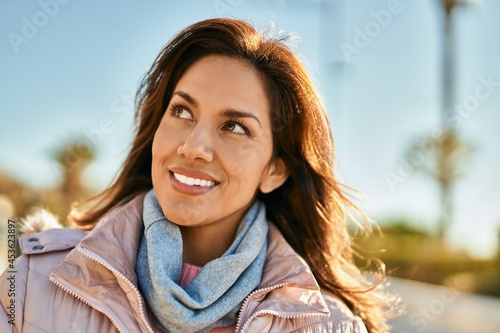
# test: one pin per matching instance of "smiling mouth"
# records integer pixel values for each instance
(194, 181)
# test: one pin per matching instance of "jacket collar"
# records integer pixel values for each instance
(288, 283)
(292, 268)
(115, 239)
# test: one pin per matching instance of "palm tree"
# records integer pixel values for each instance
(448, 154)
(72, 159)
(446, 161)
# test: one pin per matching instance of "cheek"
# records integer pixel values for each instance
(239, 159)
(155, 162)
(156, 150)
(163, 142)
(247, 161)
(160, 151)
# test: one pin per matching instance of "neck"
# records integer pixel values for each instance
(206, 243)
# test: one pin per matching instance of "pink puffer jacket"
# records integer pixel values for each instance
(69, 281)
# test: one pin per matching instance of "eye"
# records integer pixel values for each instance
(236, 127)
(180, 111)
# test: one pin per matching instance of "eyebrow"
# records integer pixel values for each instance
(187, 97)
(232, 113)
(229, 113)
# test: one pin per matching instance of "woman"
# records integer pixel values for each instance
(226, 215)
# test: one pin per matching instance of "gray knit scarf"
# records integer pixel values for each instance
(214, 297)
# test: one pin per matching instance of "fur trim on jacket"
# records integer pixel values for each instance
(39, 221)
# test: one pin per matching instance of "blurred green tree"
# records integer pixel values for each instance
(72, 159)
(446, 161)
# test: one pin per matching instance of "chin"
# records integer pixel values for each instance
(185, 216)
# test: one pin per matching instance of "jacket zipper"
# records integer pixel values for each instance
(261, 312)
(66, 289)
(89, 255)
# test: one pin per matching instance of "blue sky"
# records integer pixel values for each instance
(70, 68)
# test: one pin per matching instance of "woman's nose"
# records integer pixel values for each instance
(197, 145)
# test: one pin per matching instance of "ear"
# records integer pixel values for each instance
(274, 176)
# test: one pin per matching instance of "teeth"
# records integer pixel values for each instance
(193, 181)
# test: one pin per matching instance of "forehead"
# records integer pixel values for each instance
(227, 83)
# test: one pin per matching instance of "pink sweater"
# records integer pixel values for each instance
(189, 272)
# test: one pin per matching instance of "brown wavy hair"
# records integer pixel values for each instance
(310, 208)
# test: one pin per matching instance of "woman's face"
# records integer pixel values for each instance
(212, 151)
